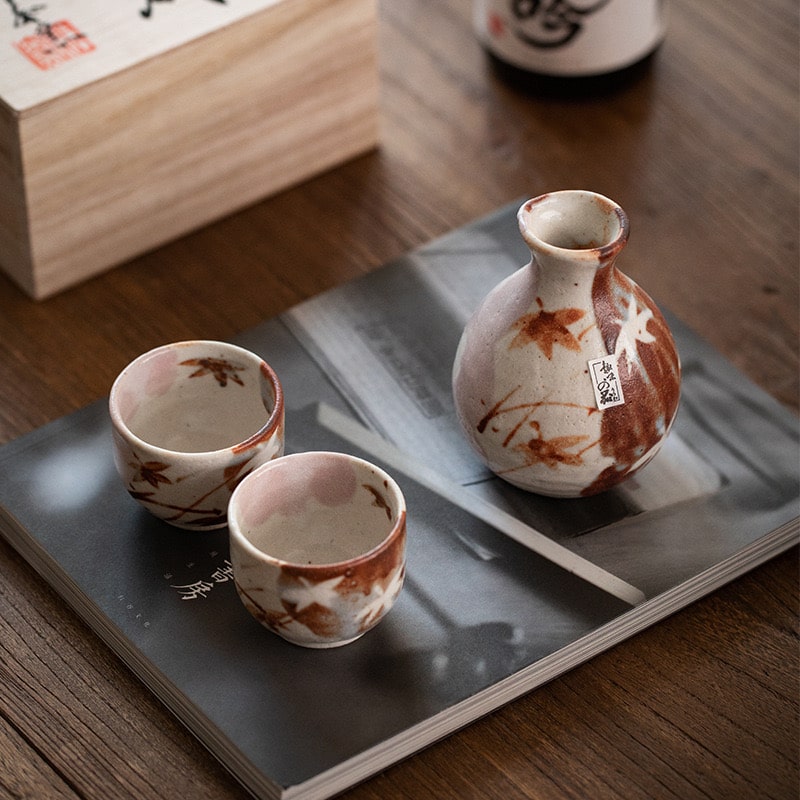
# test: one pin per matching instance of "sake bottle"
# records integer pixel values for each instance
(570, 46)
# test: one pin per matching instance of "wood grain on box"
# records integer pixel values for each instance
(122, 163)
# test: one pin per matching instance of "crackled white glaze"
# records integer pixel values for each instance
(521, 381)
(190, 420)
(318, 546)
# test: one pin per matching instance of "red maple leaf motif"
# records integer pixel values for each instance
(552, 451)
(220, 368)
(548, 328)
(150, 472)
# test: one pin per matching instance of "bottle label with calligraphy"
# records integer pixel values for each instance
(605, 382)
(570, 38)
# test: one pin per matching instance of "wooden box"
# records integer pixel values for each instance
(126, 124)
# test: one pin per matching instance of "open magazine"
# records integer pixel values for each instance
(504, 589)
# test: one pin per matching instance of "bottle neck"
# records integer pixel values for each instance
(563, 282)
(572, 236)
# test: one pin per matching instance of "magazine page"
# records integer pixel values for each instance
(476, 608)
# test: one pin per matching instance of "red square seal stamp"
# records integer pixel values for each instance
(53, 44)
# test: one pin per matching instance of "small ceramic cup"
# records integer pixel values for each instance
(189, 421)
(318, 546)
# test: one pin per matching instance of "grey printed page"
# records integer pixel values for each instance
(477, 609)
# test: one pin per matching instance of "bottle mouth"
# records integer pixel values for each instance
(580, 222)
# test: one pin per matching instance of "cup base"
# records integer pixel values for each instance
(324, 645)
(199, 528)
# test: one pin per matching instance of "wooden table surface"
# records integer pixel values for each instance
(702, 153)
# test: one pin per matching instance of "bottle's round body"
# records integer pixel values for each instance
(567, 379)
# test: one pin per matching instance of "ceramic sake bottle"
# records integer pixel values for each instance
(567, 379)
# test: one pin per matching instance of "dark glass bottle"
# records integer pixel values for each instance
(570, 47)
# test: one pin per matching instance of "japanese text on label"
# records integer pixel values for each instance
(605, 382)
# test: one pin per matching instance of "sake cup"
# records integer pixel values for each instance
(317, 544)
(189, 421)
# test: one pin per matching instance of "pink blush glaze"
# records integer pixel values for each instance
(333, 483)
(474, 376)
(273, 495)
(285, 492)
(127, 404)
(162, 371)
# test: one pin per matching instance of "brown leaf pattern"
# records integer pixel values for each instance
(151, 472)
(274, 620)
(222, 369)
(547, 329)
(379, 501)
(194, 514)
(552, 452)
(537, 450)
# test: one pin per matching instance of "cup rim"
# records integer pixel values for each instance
(267, 429)
(396, 530)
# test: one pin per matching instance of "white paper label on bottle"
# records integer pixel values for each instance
(605, 382)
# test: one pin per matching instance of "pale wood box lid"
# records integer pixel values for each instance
(51, 47)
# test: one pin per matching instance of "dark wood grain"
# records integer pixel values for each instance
(702, 153)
